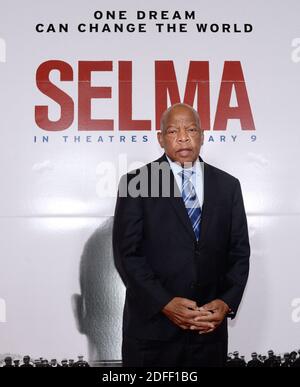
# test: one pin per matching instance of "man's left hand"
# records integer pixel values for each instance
(218, 309)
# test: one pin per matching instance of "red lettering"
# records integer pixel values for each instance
(166, 88)
(48, 88)
(125, 100)
(233, 77)
(86, 93)
(165, 83)
(197, 79)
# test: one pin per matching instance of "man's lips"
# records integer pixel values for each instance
(184, 151)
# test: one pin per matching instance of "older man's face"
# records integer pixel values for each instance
(181, 138)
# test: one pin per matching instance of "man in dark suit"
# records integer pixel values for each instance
(81, 362)
(237, 361)
(271, 361)
(181, 246)
(26, 362)
(8, 362)
(254, 362)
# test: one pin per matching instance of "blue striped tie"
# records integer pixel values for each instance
(191, 201)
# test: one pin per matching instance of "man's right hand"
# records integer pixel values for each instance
(182, 312)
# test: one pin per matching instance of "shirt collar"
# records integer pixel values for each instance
(176, 168)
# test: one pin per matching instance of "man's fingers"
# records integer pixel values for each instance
(190, 314)
(188, 303)
(191, 318)
(209, 318)
(183, 326)
(204, 332)
(210, 305)
(187, 315)
(191, 323)
(213, 317)
(197, 326)
(200, 326)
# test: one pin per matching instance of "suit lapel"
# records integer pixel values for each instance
(208, 195)
(175, 198)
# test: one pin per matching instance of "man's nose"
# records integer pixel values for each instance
(182, 135)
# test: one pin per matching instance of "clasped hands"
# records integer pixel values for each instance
(188, 315)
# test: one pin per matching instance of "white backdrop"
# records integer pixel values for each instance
(50, 192)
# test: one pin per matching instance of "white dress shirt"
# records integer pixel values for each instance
(196, 178)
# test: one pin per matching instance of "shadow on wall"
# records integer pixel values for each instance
(98, 309)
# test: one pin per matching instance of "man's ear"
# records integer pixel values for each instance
(79, 311)
(160, 139)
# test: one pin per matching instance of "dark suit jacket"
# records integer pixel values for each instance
(158, 257)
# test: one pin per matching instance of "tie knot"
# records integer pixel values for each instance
(186, 173)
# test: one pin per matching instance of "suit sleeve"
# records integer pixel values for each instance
(130, 259)
(238, 255)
